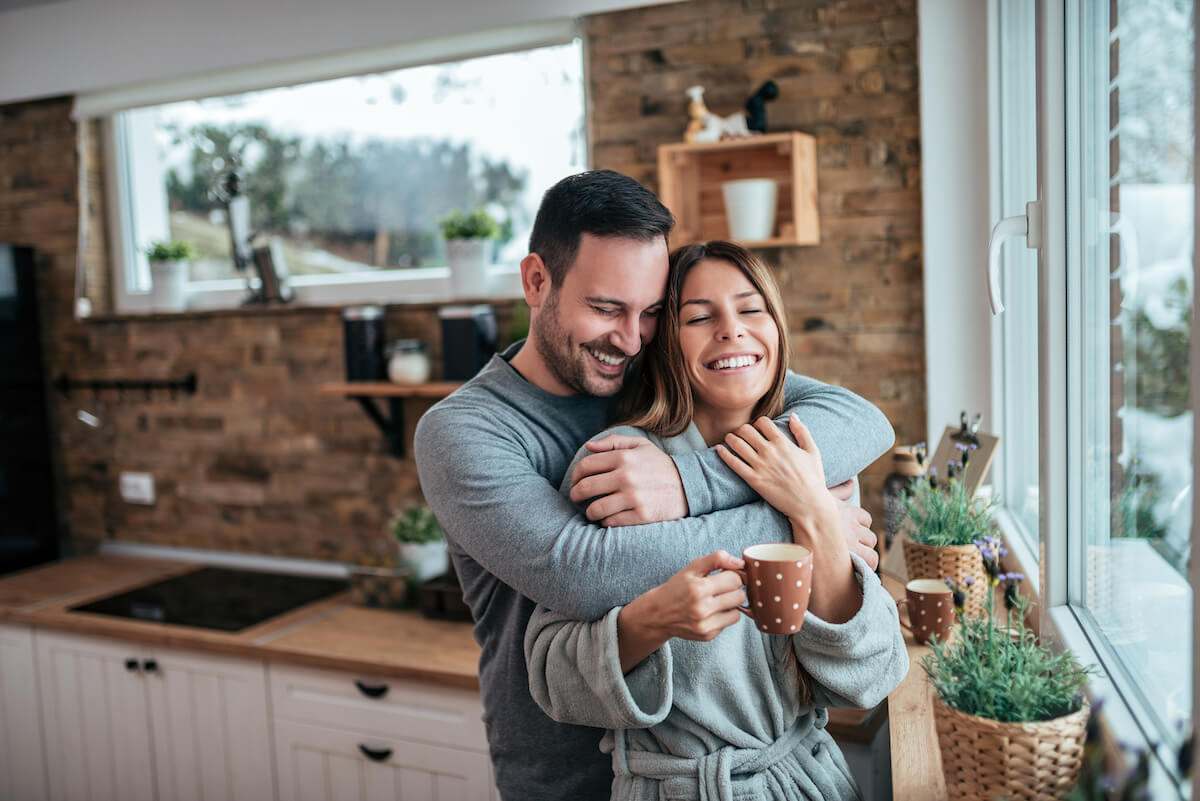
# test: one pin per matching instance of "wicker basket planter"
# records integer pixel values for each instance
(985, 759)
(955, 561)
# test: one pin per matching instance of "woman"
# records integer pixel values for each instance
(691, 715)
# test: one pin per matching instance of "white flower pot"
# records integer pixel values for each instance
(750, 208)
(168, 285)
(469, 260)
(427, 560)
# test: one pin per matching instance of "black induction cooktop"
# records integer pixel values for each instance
(217, 598)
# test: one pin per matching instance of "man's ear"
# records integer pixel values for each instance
(535, 280)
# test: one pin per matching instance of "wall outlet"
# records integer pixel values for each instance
(137, 488)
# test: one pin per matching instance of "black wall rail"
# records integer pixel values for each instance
(185, 386)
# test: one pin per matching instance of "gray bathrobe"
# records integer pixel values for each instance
(719, 720)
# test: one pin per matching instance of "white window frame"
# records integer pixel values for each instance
(128, 179)
(1059, 587)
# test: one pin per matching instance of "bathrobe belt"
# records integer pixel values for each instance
(713, 773)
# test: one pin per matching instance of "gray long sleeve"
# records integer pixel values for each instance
(850, 433)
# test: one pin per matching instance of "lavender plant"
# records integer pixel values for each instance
(1005, 675)
(943, 513)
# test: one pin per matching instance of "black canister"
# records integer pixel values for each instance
(364, 338)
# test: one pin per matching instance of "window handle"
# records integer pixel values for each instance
(1028, 225)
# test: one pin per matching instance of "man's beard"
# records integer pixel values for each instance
(567, 360)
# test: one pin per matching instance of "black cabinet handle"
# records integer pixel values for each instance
(150, 665)
(371, 690)
(374, 755)
(131, 665)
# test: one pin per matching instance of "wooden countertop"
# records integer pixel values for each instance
(916, 761)
(332, 633)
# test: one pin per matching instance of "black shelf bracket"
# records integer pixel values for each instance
(185, 386)
(392, 426)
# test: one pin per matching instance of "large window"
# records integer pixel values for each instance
(1093, 350)
(1129, 273)
(352, 174)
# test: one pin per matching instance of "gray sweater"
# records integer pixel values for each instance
(491, 457)
(719, 719)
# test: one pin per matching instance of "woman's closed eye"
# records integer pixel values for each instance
(700, 318)
(752, 311)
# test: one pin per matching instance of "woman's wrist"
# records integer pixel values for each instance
(637, 634)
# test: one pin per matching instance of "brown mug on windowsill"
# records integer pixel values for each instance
(778, 579)
(930, 609)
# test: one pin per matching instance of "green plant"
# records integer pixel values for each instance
(173, 250)
(416, 525)
(1004, 675)
(946, 515)
(476, 225)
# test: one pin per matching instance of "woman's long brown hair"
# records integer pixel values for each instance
(659, 395)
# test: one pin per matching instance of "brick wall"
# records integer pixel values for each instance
(847, 74)
(257, 461)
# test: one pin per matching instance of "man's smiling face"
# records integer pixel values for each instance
(604, 312)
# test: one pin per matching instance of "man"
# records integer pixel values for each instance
(492, 455)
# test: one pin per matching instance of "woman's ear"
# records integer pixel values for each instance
(535, 280)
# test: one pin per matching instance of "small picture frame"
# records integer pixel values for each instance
(981, 448)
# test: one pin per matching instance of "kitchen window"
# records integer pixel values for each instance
(1103, 312)
(349, 173)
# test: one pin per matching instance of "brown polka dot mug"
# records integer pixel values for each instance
(930, 609)
(778, 579)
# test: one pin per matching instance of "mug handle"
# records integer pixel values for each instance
(745, 610)
(899, 603)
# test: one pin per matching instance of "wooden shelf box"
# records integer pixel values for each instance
(690, 178)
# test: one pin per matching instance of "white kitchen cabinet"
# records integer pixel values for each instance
(22, 758)
(343, 736)
(129, 722)
(212, 738)
(321, 763)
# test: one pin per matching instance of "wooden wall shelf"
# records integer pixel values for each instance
(392, 426)
(386, 389)
(690, 178)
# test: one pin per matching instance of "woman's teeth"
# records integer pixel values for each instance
(733, 361)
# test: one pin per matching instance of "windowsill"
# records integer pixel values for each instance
(430, 289)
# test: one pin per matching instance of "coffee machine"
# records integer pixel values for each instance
(468, 339)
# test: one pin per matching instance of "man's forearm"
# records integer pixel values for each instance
(850, 433)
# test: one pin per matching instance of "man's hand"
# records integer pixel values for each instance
(631, 480)
(856, 528)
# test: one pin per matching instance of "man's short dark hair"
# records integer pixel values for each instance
(602, 203)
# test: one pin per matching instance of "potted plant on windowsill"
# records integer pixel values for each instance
(469, 239)
(419, 538)
(942, 523)
(170, 262)
(1010, 714)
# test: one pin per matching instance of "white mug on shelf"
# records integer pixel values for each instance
(750, 208)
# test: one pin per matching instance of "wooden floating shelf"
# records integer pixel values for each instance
(690, 177)
(392, 426)
(387, 389)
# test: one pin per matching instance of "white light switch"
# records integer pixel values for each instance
(137, 488)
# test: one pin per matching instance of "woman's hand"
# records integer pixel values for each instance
(788, 475)
(694, 604)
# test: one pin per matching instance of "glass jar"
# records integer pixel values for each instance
(408, 362)
(906, 469)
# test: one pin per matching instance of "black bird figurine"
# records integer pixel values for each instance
(756, 106)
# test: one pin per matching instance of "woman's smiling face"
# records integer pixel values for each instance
(729, 340)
